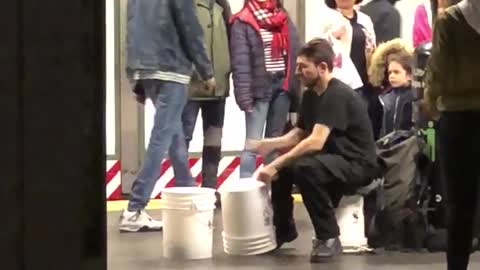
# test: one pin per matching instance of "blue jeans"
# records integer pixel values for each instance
(169, 99)
(269, 114)
(213, 114)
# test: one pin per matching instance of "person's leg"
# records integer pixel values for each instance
(254, 124)
(458, 134)
(282, 203)
(213, 114)
(189, 119)
(317, 186)
(178, 151)
(178, 154)
(277, 119)
(169, 99)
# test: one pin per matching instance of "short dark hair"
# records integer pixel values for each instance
(333, 4)
(319, 50)
(404, 59)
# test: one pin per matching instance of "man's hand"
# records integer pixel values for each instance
(260, 147)
(267, 174)
(211, 84)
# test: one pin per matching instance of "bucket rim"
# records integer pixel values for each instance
(256, 251)
(251, 238)
(249, 243)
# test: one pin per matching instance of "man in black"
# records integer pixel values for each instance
(332, 152)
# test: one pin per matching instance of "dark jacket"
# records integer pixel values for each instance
(165, 35)
(214, 20)
(386, 19)
(397, 110)
(454, 66)
(250, 77)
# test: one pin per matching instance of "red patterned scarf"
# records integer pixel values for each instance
(270, 18)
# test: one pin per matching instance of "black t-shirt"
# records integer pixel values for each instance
(342, 110)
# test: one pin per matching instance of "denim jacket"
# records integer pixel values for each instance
(165, 35)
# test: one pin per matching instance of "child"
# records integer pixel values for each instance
(397, 101)
(389, 78)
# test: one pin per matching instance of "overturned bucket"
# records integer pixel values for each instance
(188, 222)
(247, 218)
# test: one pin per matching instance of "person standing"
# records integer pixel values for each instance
(453, 91)
(213, 16)
(360, 41)
(385, 17)
(164, 41)
(264, 44)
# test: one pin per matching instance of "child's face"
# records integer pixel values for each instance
(397, 75)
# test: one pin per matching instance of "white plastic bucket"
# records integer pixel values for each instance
(247, 218)
(351, 222)
(188, 222)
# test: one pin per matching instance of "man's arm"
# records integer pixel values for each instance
(266, 146)
(312, 143)
(192, 36)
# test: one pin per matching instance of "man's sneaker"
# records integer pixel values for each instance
(324, 251)
(138, 221)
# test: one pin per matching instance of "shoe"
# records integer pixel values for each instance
(324, 251)
(138, 221)
(286, 235)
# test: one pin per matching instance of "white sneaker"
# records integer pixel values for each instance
(138, 221)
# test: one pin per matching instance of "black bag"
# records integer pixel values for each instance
(399, 222)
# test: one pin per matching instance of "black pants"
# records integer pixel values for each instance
(213, 114)
(459, 134)
(321, 191)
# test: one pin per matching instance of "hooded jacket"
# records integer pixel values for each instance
(378, 66)
(453, 72)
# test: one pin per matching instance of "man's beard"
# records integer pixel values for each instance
(312, 82)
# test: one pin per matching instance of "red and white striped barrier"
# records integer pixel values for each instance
(228, 171)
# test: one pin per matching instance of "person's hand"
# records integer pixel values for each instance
(267, 174)
(139, 92)
(211, 84)
(258, 146)
(140, 99)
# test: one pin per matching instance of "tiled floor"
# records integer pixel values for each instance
(144, 252)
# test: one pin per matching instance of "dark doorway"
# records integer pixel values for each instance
(52, 111)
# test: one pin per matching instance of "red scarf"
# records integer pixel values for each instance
(270, 18)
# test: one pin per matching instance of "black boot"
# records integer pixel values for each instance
(323, 251)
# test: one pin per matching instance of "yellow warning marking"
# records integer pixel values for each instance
(115, 206)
